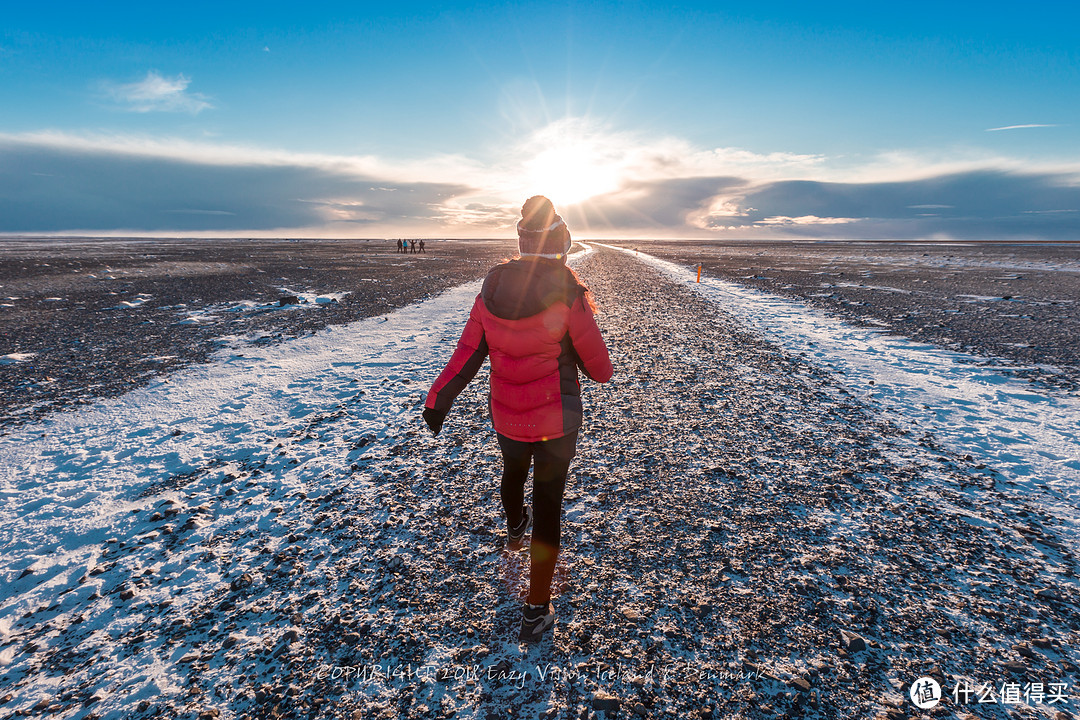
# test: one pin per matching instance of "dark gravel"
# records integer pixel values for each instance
(60, 299)
(742, 538)
(1017, 301)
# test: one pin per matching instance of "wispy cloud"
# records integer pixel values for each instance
(157, 93)
(1020, 127)
(784, 221)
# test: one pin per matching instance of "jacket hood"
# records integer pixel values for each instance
(522, 288)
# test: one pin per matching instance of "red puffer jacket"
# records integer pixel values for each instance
(534, 321)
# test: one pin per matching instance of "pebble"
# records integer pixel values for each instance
(603, 701)
(852, 642)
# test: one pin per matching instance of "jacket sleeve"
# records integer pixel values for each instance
(588, 342)
(471, 350)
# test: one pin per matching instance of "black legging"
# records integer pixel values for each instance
(551, 461)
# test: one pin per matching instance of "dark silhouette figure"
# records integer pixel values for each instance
(400, 246)
(422, 246)
(412, 243)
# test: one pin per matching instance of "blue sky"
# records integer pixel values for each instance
(638, 119)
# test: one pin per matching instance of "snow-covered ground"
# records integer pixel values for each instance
(1029, 435)
(74, 480)
(211, 313)
(89, 479)
(121, 520)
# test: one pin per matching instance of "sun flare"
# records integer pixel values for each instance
(570, 165)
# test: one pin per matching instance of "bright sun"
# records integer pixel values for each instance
(570, 167)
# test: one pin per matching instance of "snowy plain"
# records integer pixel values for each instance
(89, 479)
(83, 480)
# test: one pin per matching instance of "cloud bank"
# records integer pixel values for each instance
(49, 188)
(56, 184)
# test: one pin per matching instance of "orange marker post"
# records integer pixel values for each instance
(699, 273)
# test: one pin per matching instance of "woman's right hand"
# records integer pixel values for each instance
(434, 419)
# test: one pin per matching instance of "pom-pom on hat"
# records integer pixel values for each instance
(541, 232)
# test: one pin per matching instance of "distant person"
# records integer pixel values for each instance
(534, 317)
(422, 246)
(400, 246)
(413, 244)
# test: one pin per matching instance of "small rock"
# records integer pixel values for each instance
(1047, 594)
(241, 582)
(602, 701)
(288, 300)
(1023, 650)
(852, 642)
(1042, 643)
(801, 684)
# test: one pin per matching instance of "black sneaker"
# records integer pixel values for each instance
(514, 535)
(535, 619)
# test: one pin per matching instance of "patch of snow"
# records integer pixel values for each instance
(883, 288)
(315, 298)
(12, 358)
(981, 298)
(135, 302)
(210, 314)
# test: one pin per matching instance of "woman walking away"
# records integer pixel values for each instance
(535, 319)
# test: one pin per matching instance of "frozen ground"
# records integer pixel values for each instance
(272, 535)
(1028, 435)
(87, 318)
(1015, 302)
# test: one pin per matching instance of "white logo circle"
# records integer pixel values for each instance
(925, 693)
